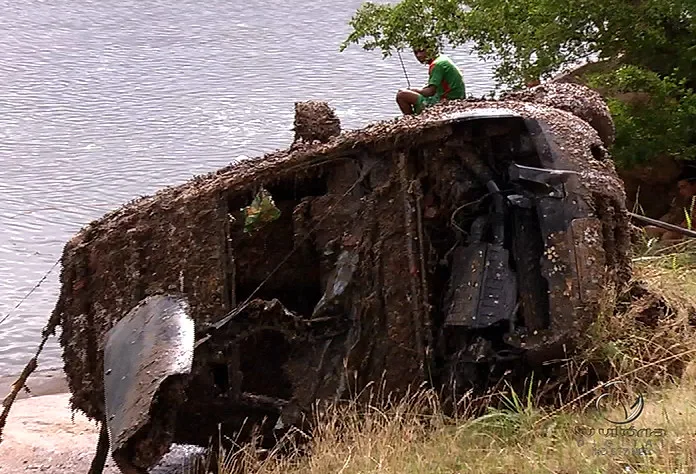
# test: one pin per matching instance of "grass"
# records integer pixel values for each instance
(503, 441)
(644, 338)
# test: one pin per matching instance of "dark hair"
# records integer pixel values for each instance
(428, 45)
(688, 173)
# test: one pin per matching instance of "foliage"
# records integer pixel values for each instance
(653, 115)
(534, 38)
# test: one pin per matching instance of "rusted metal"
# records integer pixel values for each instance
(483, 287)
(153, 342)
(348, 286)
(413, 257)
(420, 237)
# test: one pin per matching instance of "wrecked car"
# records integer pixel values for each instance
(423, 249)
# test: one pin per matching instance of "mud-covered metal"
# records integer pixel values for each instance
(483, 113)
(568, 262)
(348, 286)
(483, 287)
(539, 175)
(339, 280)
(151, 343)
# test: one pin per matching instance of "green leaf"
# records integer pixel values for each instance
(261, 211)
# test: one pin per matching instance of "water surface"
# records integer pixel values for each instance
(104, 101)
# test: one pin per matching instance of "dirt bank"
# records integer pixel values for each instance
(43, 382)
(43, 436)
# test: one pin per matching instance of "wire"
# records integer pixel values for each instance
(454, 213)
(404, 68)
(30, 292)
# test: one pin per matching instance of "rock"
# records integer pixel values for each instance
(315, 120)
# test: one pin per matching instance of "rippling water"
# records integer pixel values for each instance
(103, 101)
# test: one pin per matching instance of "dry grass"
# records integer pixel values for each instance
(644, 338)
(503, 441)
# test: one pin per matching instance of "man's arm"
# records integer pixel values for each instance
(427, 91)
(654, 231)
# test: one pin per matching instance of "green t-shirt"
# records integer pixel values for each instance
(446, 77)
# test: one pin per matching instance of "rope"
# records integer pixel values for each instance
(30, 292)
(232, 314)
(404, 68)
(30, 367)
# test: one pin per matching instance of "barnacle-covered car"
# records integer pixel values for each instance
(423, 249)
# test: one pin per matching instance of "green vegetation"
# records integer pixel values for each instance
(653, 115)
(535, 39)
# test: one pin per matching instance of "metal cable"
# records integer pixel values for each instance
(30, 292)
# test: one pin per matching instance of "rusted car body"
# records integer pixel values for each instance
(411, 251)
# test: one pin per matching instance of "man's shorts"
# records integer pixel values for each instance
(425, 102)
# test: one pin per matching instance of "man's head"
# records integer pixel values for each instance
(425, 51)
(686, 182)
(422, 55)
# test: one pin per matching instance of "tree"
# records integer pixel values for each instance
(649, 47)
(653, 115)
(535, 38)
